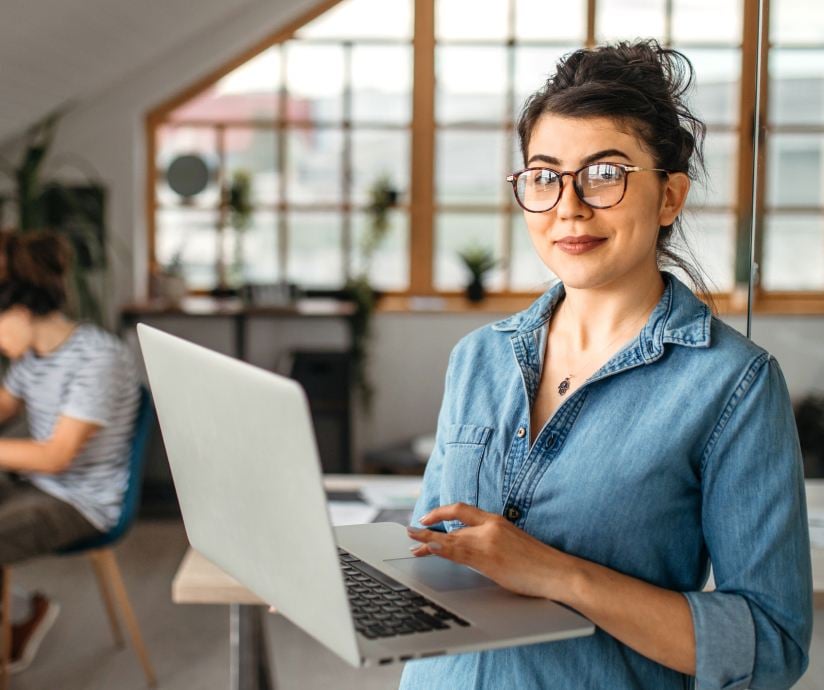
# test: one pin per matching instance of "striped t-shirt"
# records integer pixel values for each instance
(91, 377)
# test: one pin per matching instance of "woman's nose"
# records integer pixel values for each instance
(569, 205)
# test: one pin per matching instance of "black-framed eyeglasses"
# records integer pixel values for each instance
(599, 185)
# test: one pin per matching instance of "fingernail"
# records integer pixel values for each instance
(412, 528)
(425, 518)
(434, 546)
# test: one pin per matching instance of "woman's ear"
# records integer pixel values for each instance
(675, 196)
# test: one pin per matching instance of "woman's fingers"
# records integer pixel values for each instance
(469, 515)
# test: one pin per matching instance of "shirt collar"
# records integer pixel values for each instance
(679, 317)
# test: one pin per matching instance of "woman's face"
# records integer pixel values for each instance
(15, 332)
(591, 248)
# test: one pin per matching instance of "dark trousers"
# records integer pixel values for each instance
(34, 523)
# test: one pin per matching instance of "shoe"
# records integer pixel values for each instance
(27, 636)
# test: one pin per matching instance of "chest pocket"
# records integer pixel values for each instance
(464, 449)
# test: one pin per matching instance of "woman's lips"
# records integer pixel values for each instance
(579, 244)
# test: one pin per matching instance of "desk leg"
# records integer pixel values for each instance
(249, 667)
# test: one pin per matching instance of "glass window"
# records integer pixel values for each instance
(795, 247)
(353, 19)
(707, 21)
(315, 256)
(715, 93)
(794, 173)
(377, 153)
(382, 84)
(711, 240)
(533, 66)
(470, 84)
(259, 249)
(458, 232)
(796, 21)
(389, 268)
(527, 271)
(314, 78)
(189, 235)
(628, 19)
(796, 86)
(720, 159)
(470, 167)
(252, 150)
(539, 20)
(314, 165)
(474, 21)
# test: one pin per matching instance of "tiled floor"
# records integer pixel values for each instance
(189, 645)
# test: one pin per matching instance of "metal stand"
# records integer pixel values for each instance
(249, 666)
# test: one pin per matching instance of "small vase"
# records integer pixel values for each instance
(475, 291)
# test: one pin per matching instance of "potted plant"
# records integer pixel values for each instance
(382, 197)
(478, 261)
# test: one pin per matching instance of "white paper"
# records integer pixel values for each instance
(351, 513)
(816, 519)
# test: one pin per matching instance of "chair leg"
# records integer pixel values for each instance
(111, 572)
(106, 595)
(5, 626)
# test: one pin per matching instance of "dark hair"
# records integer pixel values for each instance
(640, 86)
(33, 268)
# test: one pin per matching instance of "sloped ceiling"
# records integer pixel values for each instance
(55, 52)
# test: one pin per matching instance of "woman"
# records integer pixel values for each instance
(79, 387)
(603, 446)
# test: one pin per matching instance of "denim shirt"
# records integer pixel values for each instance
(679, 452)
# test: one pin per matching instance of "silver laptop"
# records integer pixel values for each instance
(245, 465)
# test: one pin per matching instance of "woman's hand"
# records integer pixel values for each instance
(495, 547)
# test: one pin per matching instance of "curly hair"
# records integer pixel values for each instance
(641, 86)
(33, 269)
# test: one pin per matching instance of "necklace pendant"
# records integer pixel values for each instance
(563, 387)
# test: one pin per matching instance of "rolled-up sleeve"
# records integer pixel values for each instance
(754, 630)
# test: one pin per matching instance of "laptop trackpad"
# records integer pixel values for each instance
(440, 574)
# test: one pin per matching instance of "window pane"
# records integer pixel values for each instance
(628, 19)
(706, 21)
(796, 86)
(252, 151)
(720, 159)
(794, 170)
(315, 250)
(376, 153)
(314, 165)
(382, 84)
(470, 84)
(249, 92)
(480, 19)
(457, 232)
(527, 271)
(714, 96)
(173, 142)
(362, 19)
(533, 66)
(470, 167)
(793, 252)
(711, 238)
(796, 21)
(550, 21)
(314, 78)
(260, 249)
(191, 234)
(390, 261)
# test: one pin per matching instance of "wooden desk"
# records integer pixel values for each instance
(198, 581)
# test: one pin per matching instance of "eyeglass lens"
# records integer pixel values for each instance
(599, 185)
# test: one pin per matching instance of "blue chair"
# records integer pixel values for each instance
(101, 553)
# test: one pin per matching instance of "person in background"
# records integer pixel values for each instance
(79, 388)
(603, 447)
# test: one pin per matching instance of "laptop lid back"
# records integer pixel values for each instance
(245, 466)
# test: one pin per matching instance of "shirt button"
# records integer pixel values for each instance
(513, 513)
(521, 432)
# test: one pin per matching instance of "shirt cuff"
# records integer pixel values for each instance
(724, 640)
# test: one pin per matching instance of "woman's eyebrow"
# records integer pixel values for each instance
(551, 160)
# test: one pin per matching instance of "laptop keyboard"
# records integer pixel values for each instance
(383, 607)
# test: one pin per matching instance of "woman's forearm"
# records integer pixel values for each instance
(653, 621)
(28, 455)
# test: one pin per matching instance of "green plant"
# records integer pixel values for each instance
(382, 197)
(478, 260)
(73, 211)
